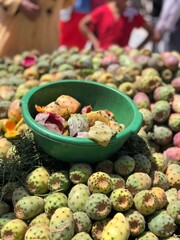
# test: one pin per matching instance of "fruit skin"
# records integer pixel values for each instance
(172, 195)
(136, 221)
(172, 154)
(165, 92)
(97, 228)
(14, 111)
(145, 202)
(98, 206)
(173, 175)
(159, 162)
(176, 103)
(161, 224)
(147, 119)
(53, 201)
(100, 182)
(82, 222)
(5, 218)
(40, 219)
(62, 224)
(106, 166)
(162, 135)
(78, 197)
(121, 199)
(124, 165)
(161, 111)
(18, 193)
(59, 181)
(141, 100)
(38, 231)
(15, 228)
(80, 172)
(82, 235)
(117, 228)
(173, 209)
(147, 84)
(127, 88)
(176, 84)
(37, 181)
(161, 197)
(176, 140)
(137, 182)
(117, 181)
(159, 179)
(28, 207)
(142, 163)
(174, 122)
(147, 235)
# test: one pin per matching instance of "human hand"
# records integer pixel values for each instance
(30, 8)
(157, 35)
(96, 46)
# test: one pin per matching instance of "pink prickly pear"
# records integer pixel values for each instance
(176, 103)
(172, 154)
(176, 140)
(176, 84)
(141, 100)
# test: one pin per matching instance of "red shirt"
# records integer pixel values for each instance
(111, 31)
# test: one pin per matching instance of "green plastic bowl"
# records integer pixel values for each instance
(100, 96)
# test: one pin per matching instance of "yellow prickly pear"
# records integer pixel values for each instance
(117, 228)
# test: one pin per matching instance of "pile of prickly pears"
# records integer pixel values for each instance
(133, 195)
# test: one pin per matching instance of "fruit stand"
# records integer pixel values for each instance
(134, 194)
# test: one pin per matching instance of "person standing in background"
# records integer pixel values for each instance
(113, 23)
(71, 36)
(167, 27)
(29, 24)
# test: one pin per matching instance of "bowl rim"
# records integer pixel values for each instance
(133, 127)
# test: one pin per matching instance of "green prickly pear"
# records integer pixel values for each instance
(100, 182)
(137, 182)
(147, 235)
(173, 175)
(15, 229)
(121, 199)
(38, 231)
(82, 222)
(40, 219)
(98, 206)
(80, 172)
(145, 202)
(124, 165)
(161, 224)
(77, 197)
(62, 224)
(18, 193)
(37, 181)
(97, 228)
(117, 181)
(136, 221)
(173, 209)
(28, 207)
(59, 181)
(53, 201)
(82, 235)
